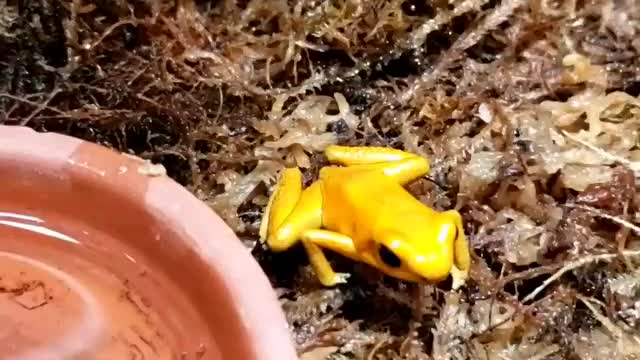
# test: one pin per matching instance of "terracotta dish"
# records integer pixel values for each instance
(104, 257)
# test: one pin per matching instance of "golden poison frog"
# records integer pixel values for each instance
(362, 211)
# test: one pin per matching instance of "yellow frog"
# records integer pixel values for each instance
(362, 211)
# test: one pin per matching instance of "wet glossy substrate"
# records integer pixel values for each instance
(68, 291)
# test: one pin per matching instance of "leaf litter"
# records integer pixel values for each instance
(528, 111)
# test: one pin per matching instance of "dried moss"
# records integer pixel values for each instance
(529, 112)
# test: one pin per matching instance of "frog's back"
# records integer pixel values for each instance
(354, 200)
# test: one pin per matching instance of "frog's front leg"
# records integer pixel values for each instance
(290, 213)
(462, 257)
(316, 240)
(399, 165)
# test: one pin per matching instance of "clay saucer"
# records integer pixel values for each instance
(104, 257)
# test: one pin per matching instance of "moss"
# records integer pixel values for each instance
(527, 110)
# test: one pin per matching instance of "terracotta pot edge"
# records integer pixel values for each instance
(58, 149)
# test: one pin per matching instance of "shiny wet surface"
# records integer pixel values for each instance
(71, 292)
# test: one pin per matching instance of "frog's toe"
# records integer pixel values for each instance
(459, 278)
(341, 278)
(335, 279)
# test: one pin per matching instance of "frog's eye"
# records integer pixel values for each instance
(389, 257)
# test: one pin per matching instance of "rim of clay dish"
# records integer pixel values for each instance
(256, 304)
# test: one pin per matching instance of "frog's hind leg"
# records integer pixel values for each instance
(290, 211)
(284, 198)
(403, 167)
(292, 214)
(358, 155)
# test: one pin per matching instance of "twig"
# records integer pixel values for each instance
(40, 107)
(33, 103)
(8, 113)
(150, 101)
(466, 40)
(576, 264)
(616, 331)
(601, 214)
(528, 274)
(418, 36)
(108, 32)
(220, 103)
(375, 349)
(545, 352)
(633, 165)
(493, 299)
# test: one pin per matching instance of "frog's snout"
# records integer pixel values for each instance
(432, 267)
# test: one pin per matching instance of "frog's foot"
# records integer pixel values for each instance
(459, 277)
(401, 166)
(341, 278)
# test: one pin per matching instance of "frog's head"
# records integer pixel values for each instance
(423, 249)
